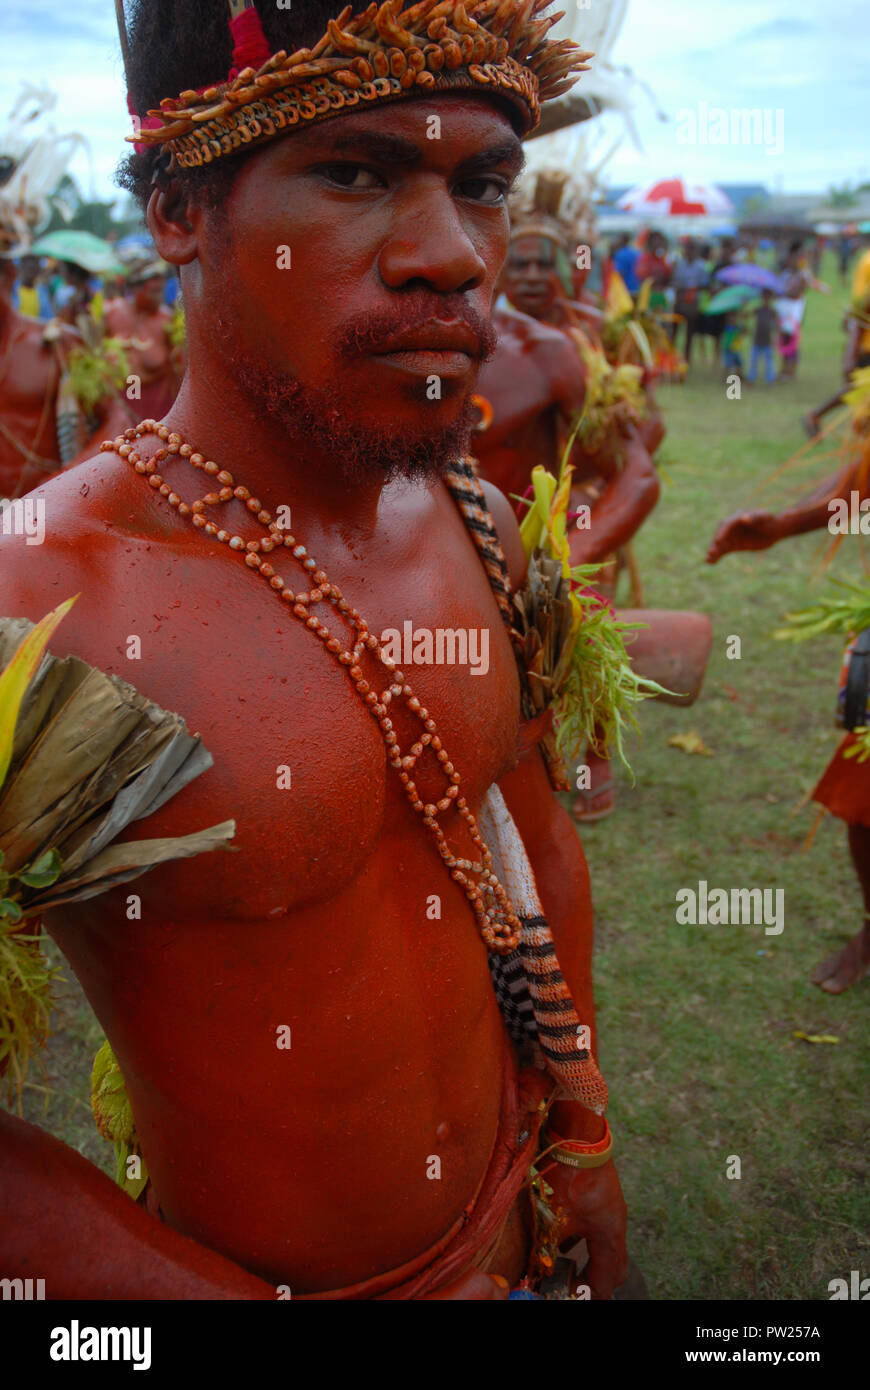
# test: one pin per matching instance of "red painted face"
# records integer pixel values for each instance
(149, 295)
(363, 254)
(530, 279)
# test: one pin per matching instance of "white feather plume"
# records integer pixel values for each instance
(40, 158)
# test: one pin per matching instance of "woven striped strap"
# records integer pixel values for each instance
(530, 988)
(465, 488)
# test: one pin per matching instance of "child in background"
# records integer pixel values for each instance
(766, 327)
(733, 339)
(790, 312)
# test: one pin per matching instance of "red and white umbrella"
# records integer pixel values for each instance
(676, 198)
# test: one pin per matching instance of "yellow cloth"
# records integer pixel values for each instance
(860, 293)
(28, 301)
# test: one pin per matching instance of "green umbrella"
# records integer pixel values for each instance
(82, 248)
(735, 297)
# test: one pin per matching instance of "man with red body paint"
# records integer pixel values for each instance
(30, 367)
(143, 321)
(307, 1167)
(32, 357)
(536, 384)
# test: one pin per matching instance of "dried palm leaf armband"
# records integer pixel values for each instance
(82, 756)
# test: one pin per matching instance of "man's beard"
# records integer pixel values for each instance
(321, 417)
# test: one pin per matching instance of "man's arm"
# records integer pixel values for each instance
(632, 484)
(630, 494)
(760, 530)
(551, 842)
(66, 1222)
(591, 1198)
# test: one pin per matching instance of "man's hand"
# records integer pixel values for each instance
(594, 1208)
(744, 531)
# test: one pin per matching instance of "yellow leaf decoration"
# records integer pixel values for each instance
(18, 674)
(690, 742)
(643, 297)
(114, 1118)
(619, 301)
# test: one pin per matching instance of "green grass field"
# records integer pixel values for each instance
(698, 1023)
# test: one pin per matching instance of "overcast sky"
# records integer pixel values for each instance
(802, 63)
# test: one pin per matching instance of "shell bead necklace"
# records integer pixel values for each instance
(497, 920)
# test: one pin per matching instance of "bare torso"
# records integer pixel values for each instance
(29, 376)
(150, 357)
(306, 1165)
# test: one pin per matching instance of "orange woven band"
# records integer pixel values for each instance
(577, 1153)
(382, 54)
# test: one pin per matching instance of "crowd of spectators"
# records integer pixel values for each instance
(682, 283)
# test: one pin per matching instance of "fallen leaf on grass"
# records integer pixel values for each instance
(817, 1037)
(690, 743)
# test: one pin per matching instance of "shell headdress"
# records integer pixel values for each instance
(382, 54)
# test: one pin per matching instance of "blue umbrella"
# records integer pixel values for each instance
(747, 273)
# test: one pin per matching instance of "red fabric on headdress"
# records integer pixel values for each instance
(250, 50)
(251, 46)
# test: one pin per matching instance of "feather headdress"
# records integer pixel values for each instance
(32, 161)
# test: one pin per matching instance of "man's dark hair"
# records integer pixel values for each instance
(175, 45)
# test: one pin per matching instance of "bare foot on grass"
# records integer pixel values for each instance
(844, 968)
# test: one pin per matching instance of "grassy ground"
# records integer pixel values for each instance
(697, 1022)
